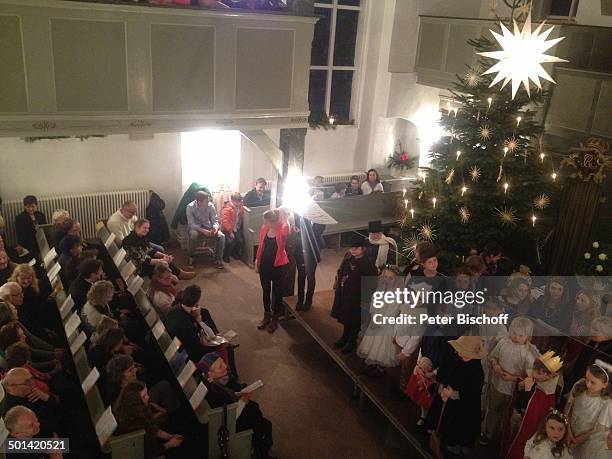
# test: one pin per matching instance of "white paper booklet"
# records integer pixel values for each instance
(135, 285)
(186, 373)
(253, 387)
(119, 256)
(172, 348)
(109, 240)
(78, 342)
(198, 395)
(51, 255)
(66, 307)
(90, 380)
(105, 426)
(72, 324)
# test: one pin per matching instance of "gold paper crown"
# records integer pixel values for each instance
(551, 361)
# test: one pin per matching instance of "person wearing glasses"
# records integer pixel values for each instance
(21, 390)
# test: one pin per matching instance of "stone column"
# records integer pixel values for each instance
(292, 142)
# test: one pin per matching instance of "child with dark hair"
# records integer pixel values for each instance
(589, 408)
(348, 292)
(550, 440)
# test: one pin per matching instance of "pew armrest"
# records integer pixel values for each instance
(127, 446)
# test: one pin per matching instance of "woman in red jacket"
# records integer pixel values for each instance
(270, 263)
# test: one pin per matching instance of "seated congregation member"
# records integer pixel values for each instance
(339, 191)
(19, 355)
(12, 333)
(460, 379)
(90, 272)
(6, 267)
(203, 222)
(195, 328)
(258, 196)
(372, 183)
(23, 424)
(27, 222)
(511, 360)
(231, 224)
(317, 192)
(57, 233)
(348, 292)
(71, 247)
(381, 249)
(144, 256)
(36, 312)
(121, 223)
(122, 370)
(12, 297)
(354, 188)
(270, 262)
(17, 254)
(97, 306)
(20, 389)
(163, 289)
(248, 413)
(133, 411)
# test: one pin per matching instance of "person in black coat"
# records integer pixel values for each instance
(347, 299)
(159, 233)
(90, 271)
(214, 370)
(187, 321)
(258, 196)
(27, 222)
(455, 412)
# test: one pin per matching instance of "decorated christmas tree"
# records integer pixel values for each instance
(490, 178)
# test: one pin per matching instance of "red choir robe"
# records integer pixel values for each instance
(541, 401)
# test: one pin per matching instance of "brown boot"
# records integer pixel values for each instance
(265, 321)
(273, 325)
(186, 275)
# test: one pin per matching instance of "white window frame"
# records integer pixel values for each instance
(572, 11)
(330, 67)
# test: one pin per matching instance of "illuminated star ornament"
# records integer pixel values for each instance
(485, 132)
(511, 144)
(426, 232)
(475, 173)
(472, 78)
(522, 56)
(411, 244)
(541, 202)
(507, 215)
(464, 214)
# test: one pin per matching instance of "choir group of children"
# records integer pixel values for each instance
(488, 384)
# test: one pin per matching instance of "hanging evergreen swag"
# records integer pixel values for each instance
(400, 159)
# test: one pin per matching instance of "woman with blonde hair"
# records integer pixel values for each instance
(99, 296)
(38, 314)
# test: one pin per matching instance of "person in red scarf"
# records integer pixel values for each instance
(270, 263)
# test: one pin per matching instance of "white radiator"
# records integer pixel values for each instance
(341, 178)
(86, 208)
